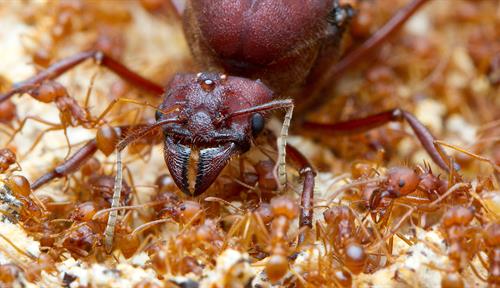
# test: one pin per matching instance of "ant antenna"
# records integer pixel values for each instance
(217, 199)
(287, 104)
(115, 202)
(281, 143)
(149, 224)
(110, 226)
(470, 154)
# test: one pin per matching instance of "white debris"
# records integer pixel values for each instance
(464, 130)
(233, 270)
(140, 259)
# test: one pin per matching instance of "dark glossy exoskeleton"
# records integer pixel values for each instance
(282, 42)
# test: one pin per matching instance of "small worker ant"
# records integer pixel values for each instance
(342, 234)
(463, 243)
(209, 117)
(7, 158)
(284, 210)
(492, 243)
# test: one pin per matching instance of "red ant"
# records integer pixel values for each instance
(268, 226)
(342, 230)
(170, 257)
(492, 242)
(461, 240)
(7, 111)
(415, 188)
(284, 210)
(209, 117)
(7, 158)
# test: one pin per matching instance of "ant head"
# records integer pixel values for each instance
(401, 181)
(458, 215)
(212, 121)
(336, 213)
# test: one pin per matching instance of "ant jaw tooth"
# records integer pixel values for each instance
(211, 161)
(208, 163)
(177, 160)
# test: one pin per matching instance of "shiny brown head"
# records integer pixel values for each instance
(203, 131)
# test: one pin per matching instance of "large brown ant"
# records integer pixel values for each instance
(209, 117)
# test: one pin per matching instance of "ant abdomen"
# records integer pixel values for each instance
(8, 111)
(128, 244)
(106, 138)
(452, 280)
(355, 257)
(81, 241)
(235, 36)
(101, 186)
(84, 212)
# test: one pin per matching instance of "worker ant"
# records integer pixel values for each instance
(7, 158)
(492, 243)
(209, 117)
(342, 234)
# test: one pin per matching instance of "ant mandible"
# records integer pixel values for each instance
(210, 117)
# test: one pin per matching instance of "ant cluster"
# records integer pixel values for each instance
(274, 216)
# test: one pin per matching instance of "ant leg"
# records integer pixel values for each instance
(307, 198)
(54, 127)
(21, 126)
(4, 131)
(169, 8)
(40, 136)
(83, 154)
(69, 166)
(333, 71)
(66, 64)
(370, 122)
(116, 101)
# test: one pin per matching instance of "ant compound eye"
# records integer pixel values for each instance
(207, 85)
(158, 115)
(207, 81)
(257, 123)
(401, 183)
